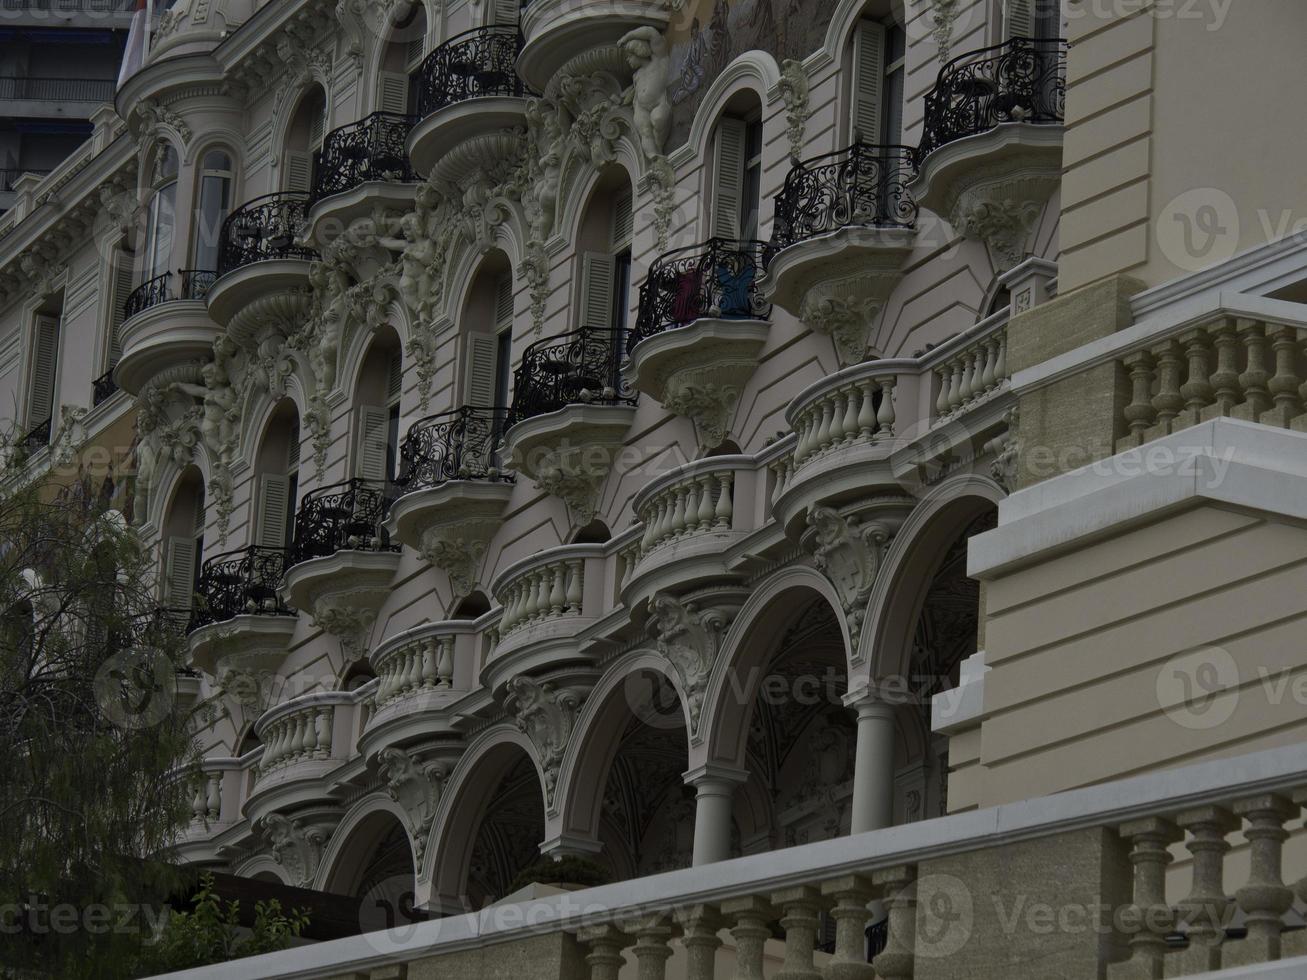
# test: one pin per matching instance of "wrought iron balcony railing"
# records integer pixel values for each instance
(263, 229)
(371, 149)
(578, 368)
(863, 185)
(24, 89)
(36, 439)
(460, 445)
(716, 279)
(342, 517)
(192, 284)
(479, 62)
(240, 583)
(103, 387)
(1022, 80)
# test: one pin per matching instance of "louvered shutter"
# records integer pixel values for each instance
(868, 80)
(415, 52)
(597, 274)
(506, 11)
(393, 92)
(318, 129)
(623, 221)
(122, 288)
(274, 501)
(1019, 18)
(480, 357)
(45, 358)
(299, 171)
(179, 576)
(370, 453)
(395, 378)
(503, 303)
(728, 178)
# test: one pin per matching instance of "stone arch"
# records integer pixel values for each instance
(595, 743)
(383, 40)
(296, 91)
(357, 343)
(577, 193)
(471, 787)
(344, 867)
(263, 867)
(845, 17)
(728, 700)
(755, 71)
(259, 411)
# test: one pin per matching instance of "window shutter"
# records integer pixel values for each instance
(597, 273)
(503, 302)
(623, 221)
(395, 378)
(1020, 19)
(370, 453)
(122, 288)
(480, 357)
(179, 578)
(393, 92)
(506, 11)
(274, 491)
(868, 80)
(299, 171)
(318, 129)
(728, 178)
(45, 357)
(416, 51)
(293, 451)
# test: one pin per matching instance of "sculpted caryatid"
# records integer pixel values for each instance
(646, 52)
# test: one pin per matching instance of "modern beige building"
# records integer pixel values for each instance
(829, 464)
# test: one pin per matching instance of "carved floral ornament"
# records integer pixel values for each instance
(294, 844)
(547, 714)
(416, 786)
(690, 640)
(850, 554)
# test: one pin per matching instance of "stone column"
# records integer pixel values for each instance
(714, 797)
(752, 929)
(873, 772)
(852, 895)
(699, 925)
(605, 957)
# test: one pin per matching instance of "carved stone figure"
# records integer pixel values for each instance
(646, 53)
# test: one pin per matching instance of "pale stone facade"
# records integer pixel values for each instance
(652, 432)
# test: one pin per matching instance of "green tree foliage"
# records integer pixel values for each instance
(95, 742)
(210, 934)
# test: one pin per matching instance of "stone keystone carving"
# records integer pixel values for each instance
(847, 321)
(350, 624)
(690, 640)
(416, 786)
(547, 715)
(849, 554)
(296, 846)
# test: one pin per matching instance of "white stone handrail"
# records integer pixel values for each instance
(749, 893)
(421, 665)
(698, 497)
(300, 729)
(967, 374)
(547, 586)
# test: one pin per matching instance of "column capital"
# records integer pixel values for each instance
(711, 773)
(872, 700)
(570, 845)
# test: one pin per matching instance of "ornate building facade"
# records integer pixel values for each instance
(667, 431)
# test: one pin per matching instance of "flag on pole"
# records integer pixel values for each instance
(138, 41)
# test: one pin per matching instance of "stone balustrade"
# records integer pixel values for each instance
(423, 665)
(546, 591)
(967, 895)
(1229, 366)
(854, 411)
(972, 371)
(695, 503)
(303, 729)
(206, 801)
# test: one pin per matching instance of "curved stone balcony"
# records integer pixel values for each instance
(165, 325)
(361, 167)
(214, 806)
(454, 491)
(571, 411)
(547, 599)
(263, 269)
(555, 31)
(991, 147)
(421, 673)
(342, 560)
(469, 89)
(303, 739)
(240, 629)
(691, 519)
(701, 326)
(844, 226)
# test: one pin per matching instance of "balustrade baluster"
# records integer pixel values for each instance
(725, 504)
(691, 506)
(1140, 413)
(651, 947)
(751, 930)
(1148, 919)
(1284, 385)
(325, 720)
(866, 410)
(941, 401)
(1203, 911)
(429, 671)
(852, 402)
(989, 356)
(1168, 401)
(700, 925)
(213, 800)
(605, 957)
(1225, 379)
(310, 734)
(1197, 389)
(955, 385)
(647, 539)
(1000, 362)
(823, 429)
(1265, 898)
(445, 663)
(897, 960)
(885, 417)
(198, 800)
(575, 585)
(851, 894)
(558, 594)
(800, 906)
(707, 502)
(1256, 398)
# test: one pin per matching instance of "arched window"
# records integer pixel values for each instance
(215, 194)
(183, 536)
(488, 336)
(604, 253)
(877, 60)
(304, 139)
(403, 54)
(162, 220)
(736, 193)
(377, 397)
(277, 473)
